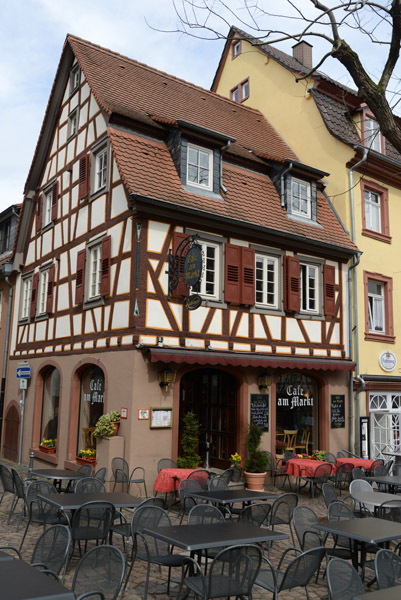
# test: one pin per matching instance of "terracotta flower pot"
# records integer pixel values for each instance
(255, 481)
(236, 476)
(85, 461)
(47, 449)
(116, 426)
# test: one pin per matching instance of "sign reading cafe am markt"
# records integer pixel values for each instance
(186, 266)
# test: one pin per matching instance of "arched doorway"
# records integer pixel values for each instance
(212, 395)
(11, 433)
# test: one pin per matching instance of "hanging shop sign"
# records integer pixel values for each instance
(186, 266)
(193, 266)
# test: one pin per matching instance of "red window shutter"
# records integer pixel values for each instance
(83, 188)
(106, 258)
(79, 284)
(54, 200)
(50, 287)
(34, 294)
(329, 282)
(232, 271)
(39, 212)
(182, 288)
(248, 276)
(292, 296)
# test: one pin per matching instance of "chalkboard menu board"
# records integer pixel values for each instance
(337, 411)
(260, 410)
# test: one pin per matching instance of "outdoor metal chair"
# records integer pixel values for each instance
(256, 513)
(122, 526)
(316, 479)
(343, 476)
(343, 453)
(338, 511)
(19, 494)
(40, 511)
(217, 483)
(186, 487)
(329, 457)
(91, 522)
(276, 469)
(166, 463)
(206, 514)
(201, 476)
(387, 568)
(89, 485)
(148, 548)
(86, 470)
(390, 510)
(298, 573)
(343, 580)
(232, 573)
(225, 475)
(7, 482)
(137, 475)
(329, 493)
(101, 474)
(99, 570)
(358, 473)
(381, 471)
(376, 463)
(281, 512)
(361, 485)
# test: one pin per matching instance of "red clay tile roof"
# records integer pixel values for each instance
(251, 197)
(134, 90)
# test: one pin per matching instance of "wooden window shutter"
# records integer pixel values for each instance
(292, 274)
(329, 282)
(106, 258)
(232, 270)
(248, 276)
(182, 288)
(83, 188)
(80, 280)
(54, 200)
(39, 212)
(50, 288)
(34, 294)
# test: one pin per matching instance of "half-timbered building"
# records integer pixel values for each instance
(134, 169)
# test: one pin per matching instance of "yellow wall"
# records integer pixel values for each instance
(289, 107)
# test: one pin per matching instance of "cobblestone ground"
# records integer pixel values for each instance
(12, 535)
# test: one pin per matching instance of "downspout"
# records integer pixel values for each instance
(353, 316)
(223, 149)
(5, 357)
(282, 178)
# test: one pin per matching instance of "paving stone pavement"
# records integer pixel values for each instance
(12, 535)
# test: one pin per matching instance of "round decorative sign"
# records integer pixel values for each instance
(192, 302)
(388, 360)
(193, 266)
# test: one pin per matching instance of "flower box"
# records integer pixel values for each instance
(85, 461)
(47, 449)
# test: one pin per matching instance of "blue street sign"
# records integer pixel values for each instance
(24, 373)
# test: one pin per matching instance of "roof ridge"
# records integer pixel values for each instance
(163, 73)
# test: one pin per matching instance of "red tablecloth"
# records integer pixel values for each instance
(298, 466)
(168, 479)
(366, 463)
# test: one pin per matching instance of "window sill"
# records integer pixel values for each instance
(379, 337)
(266, 310)
(376, 235)
(42, 317)
(50, 458)
(93, 303)
(309, 316)
(47, 227)
(97, 193)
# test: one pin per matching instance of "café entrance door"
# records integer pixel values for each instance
(297, 409)
(212, 395)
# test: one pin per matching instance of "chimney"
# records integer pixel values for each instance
(302, 52)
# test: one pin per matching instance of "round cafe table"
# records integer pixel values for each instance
(303, 466)
(168, 479)
(365, 463)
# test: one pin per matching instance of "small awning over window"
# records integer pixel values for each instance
(235, 359)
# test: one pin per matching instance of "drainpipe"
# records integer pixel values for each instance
(5, 357)
(223, 149)
(282, 178)
(353, 315)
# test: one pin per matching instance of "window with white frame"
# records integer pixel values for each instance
(236, 49)
(385, 413)
(73, 123)
(372, 210)
(266, 280)
(240, 92)
(95, 271)
(309, 288)
(101, 169)
(199, 167)
(372, 135)
(301, 198)
(210, 283)
(26, 297)
(42, 292)
(47, 207)
(75, 78)
(376, 304)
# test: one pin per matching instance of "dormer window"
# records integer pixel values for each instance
(300, 200)
(199, 167)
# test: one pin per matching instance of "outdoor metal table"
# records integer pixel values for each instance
(392, 481)
(391, 593)
(200, 537)
(231, 496)
(373, 498)
(366, 531)
(58, 475)
(20, 581)
(5, 556)
(74, 501)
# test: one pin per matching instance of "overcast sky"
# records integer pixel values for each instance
(32, 34)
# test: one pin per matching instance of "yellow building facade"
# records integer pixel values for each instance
(328, 127)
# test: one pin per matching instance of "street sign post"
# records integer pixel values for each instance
(23, 372)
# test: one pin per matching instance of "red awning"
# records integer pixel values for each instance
(236, 359)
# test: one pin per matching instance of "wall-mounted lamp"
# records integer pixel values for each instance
(264, 381)
(166, 377)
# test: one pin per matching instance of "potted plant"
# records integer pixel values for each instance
(280, 447)
(189, 443)
(48, 446)
(86, 455)
(236, 464)
(107, 425)
(255, 466)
